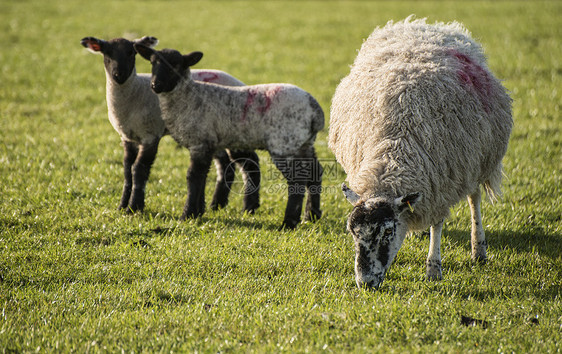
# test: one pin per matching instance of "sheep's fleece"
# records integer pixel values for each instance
(421, 112)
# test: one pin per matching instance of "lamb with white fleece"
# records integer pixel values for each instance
(280, 118)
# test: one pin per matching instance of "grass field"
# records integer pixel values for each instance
(77, 275)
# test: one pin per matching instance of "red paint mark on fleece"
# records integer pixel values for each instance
(265, 96)
(206, 76)
(473, 76)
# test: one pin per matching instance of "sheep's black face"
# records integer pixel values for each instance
(119, 59)
(378, 226)
(373, 226)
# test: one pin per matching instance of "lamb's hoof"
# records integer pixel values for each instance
(433, 270)
(289, 224)
(313, 216)
(217, 205)
(250, 211)
(130, 209)
(190, 215)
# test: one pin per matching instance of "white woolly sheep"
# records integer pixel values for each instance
(419, 123)
(280, 118)
(134, 112)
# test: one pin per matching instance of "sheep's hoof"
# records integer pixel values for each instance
(433, 270)
(479, 258)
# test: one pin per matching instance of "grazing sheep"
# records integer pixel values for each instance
(280, 118)
(419, 123)
(134, 112)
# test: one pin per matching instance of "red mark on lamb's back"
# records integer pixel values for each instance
(207, 76)
(265, 96)
(473, 76)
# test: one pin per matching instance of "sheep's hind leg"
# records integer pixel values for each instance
(477, 237)
(433, 263)
(196, 179)
(130, 150)
(225, 177)
(314, 188)
(296, 190)
(141, 171)
(249, 162)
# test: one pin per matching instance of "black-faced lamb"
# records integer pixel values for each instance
(280, 118)
(134, 112)
(419, 123)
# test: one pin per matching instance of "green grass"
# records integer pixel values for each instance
(76, 275)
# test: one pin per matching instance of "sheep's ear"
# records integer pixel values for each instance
(408, 201)
(350, 195)
(148, 41)
(192, 58)
(93, 44)
(144, 51)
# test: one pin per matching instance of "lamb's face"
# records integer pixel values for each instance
(119, 59)
(167, 70)
(379, 226)
(118, 56)
(169, 66)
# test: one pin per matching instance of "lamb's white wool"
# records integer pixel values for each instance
(421, 112)
(279, 118)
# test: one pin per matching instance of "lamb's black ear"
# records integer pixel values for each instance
(93, 44)
(147, 41)
(192, 58)
(144, 51)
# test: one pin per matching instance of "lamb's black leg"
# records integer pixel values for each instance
(130, 150)
(225, 177)
(296, 189)
(196, 178)
(141, 171)
(314, 188)
(250, 164)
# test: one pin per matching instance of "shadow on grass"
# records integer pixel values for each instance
(535, 240)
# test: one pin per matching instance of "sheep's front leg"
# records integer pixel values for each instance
(433, 263)
(141, 171)
(249, 162)
(225, 177)
(477, 237)
(196, 179)
(130, 150)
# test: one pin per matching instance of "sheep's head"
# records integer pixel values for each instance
(118, 54)
(169, 66)
(378, 226)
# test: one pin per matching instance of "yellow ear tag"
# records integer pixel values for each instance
(411, 207)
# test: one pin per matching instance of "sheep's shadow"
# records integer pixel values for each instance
(521, 242)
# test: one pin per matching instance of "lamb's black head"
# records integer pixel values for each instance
(378, 225)
(169, 66)
(118, 54)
